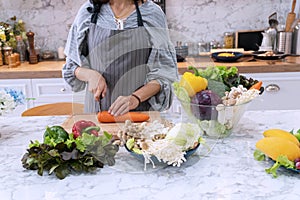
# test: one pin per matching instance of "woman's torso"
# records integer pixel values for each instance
(120, 56)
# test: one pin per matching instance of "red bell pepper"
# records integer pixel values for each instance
(84, 126)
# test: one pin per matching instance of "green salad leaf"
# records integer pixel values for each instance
(64, 155)
(282, 160)
(258, 155)
(296, 133)
(220, 78)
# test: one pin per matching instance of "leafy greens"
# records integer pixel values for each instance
(83, 154)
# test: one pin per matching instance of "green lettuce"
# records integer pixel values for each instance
(282, 160)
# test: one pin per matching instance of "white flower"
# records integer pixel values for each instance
(7, 102)
(9, 99)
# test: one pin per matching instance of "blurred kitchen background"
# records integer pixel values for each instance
(190, 21)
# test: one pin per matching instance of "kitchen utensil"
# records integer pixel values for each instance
(181, 53)
(290, 18)
(284, 42)
(266, 44)
(100, 98)
(279, 56)
(296, 39)
(232, 56)
(273, 22)
(33, 59)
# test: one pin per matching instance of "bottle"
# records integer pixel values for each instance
(272, 31)
(60, 52)
(33, 59)
(1, 59)
(21, 48)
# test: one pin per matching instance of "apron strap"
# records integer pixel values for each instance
(94, 10)
(139, 16)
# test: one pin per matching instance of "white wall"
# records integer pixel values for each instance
(189, 20)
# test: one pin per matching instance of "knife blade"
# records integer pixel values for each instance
(100, 98)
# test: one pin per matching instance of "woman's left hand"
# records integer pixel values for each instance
(123, 104)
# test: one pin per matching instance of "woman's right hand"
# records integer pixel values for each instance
(96, 82)
(97, 85)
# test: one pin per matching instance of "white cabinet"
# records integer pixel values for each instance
(281, 91)
(23, 85)
(42, 91)
(50, 91)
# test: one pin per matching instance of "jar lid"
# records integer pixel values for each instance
(7, 48)
(228, 33)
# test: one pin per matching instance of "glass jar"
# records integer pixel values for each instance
(7, 51)
(228, 40)
(202, 47)
(1, 59)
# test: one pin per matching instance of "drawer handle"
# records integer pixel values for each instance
(63, 89)
(272, 88)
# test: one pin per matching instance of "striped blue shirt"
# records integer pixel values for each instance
(162, 60)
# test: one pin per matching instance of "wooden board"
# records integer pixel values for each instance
(112, 128)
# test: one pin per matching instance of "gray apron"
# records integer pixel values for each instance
(121, 57)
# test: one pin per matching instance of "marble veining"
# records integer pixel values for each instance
(188, 20)
(229, 171)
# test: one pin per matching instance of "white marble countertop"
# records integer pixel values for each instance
(229, 171)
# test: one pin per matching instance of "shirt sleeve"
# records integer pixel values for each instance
(162, 60)
(73, 48)
(68, 73)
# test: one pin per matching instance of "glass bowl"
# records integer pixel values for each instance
(215, 121)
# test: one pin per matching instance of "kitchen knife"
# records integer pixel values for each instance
(100, 98)
(290, 18)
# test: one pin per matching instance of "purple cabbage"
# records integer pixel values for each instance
(203, 105)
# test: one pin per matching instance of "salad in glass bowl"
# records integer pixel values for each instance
(216, 98)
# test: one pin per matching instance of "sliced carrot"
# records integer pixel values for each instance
(256, 85)
(105, 117)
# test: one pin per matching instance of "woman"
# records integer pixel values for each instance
(121, 50)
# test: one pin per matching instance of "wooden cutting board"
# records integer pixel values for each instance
(112, 128)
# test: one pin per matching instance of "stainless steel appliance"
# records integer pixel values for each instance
(296, 40)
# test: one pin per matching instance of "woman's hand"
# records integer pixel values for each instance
(97, 85)
(123, 104)
(96, 82)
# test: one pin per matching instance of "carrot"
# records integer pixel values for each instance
(257, 85)
(105, 117)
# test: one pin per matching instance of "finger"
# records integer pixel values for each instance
(104, 91)
(114, 106)
(122, 109)
(97, 94)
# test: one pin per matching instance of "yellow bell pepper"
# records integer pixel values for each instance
(193, 83)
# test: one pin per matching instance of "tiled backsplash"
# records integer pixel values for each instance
(188, 20)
